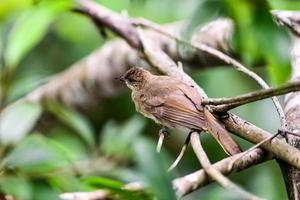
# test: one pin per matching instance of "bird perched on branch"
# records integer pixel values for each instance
(174, 104)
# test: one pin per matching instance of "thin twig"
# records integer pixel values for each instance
(212, 172)
(226, 104)
(227, 59)
(280, 132)
(251, 149)
(183, 150)
(191, 182)
(279, 147)
(92, 195)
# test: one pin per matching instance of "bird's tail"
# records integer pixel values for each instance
(221, 134)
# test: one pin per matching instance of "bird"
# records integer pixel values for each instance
(174, 104)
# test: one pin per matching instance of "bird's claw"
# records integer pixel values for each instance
(163, 132)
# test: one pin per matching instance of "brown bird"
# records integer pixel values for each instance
(174, 104)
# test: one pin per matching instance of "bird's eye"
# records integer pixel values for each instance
(130, 80)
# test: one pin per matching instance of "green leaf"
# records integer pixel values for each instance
(284, 4)
(115, 187)
(17, 187)
(72, 144)
(30, 28)
(17, 120)
(154, 168)
(8, 7)
(101, 182)
(68, 183)
(74, 120)
(117, 141)
(258, 39)
(36, 155)
(43, 190)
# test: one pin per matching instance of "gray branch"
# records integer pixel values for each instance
(292, 101)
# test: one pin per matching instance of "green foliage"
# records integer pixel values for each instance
(153, 168)
(284, 4)
(68, 183)
(115, 188)
(257, 38)
(74, 120)
(17, 120)
(38, 17)
(16, 186)
(117, 140)
(36, 155)
(7, 7)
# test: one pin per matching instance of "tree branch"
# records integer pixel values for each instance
(281, 149)
(191, 182)
(119, 24)
(226, 104)
(291, 175)
(227, 59)
(253, 134)
(213, 173)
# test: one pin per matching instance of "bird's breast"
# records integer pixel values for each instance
(140, 107)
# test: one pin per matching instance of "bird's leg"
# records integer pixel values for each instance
(183, 149)
(163, 132)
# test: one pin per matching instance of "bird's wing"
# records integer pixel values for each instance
(212, 124)
(182, 107)
(192, 94)
(175, 109)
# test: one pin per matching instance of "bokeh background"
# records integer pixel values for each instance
(69, 150)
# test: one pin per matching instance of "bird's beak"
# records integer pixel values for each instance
(120, 78)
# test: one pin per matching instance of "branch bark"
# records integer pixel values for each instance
(225, 104)
(292, 101)
(214, 173)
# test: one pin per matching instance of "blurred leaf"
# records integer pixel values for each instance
(285, 4)
(83, 32)
(258, 39)
(117, 141)
(43, 190)
(67, 183)
(30, 29)
(36, 154)
(17, 187)
(74, 120)
(19, 87)
(8, 7)
(274, 49)
(154, 168)
(205, 11)
(73, 144)
(115, 188)
(101, 182)
(17, 120)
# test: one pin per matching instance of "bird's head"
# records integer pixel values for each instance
(135, 77)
